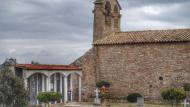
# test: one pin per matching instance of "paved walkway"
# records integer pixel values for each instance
(73, 104)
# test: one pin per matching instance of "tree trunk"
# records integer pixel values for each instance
(172, 103)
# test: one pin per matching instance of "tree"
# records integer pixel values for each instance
(35, 63)
(47, 97)
(12, 91)
(173, 95)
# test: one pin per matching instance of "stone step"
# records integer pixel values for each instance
(73, 104)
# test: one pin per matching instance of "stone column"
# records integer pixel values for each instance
(65, 90)
(61, 85)
(55, 85)
(71, 87)
(48, 84)
(80, 87)
(43, 83)
(37, 89)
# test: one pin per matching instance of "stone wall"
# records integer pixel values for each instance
(143, 68)
(87, 63)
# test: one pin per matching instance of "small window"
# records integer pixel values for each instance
(161, 78)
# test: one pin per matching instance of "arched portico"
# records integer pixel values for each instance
(74, 87)
(36, 83)
(68, 83)
(45, 78)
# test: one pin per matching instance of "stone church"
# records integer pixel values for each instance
(144, 62)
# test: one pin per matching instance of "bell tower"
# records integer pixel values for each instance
(106, 18)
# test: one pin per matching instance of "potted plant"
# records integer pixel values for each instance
(104, 93)
(48, 97)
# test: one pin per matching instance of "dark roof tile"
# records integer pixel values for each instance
(47, 67)
(150, 36)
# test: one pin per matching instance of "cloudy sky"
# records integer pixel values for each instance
(60, 31)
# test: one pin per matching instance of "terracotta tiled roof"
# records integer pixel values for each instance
(47, 67)
(151, 36)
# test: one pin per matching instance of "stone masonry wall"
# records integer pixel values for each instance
(143, 68)
(87, 63)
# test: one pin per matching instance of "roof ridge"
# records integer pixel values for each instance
(45, 64)
(47, 67)
(153, 30)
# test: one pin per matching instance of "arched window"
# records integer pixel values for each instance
(116, 10)
(116, 17)
(108, 13)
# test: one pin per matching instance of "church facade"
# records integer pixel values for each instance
(144, 62)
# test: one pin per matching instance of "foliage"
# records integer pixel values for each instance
(104, 95)
(35, 63)
(173, 95)
(133, 97)
(100, 84)
(103, 87)
(47, 97)
(12, 91)
(186, 87)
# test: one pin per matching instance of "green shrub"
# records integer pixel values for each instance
(102, 83)
(47, 97)
(186, 87)
(173, 95)
(133, 97)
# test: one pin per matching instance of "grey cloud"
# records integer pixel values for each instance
(48, 20)
(60, 31)
(43, 51)
(171, 14)
(137, 3)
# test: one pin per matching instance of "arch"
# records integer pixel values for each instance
(116, 18)
(108, 13)
(74, 84)
(33, 73)
(77, 73)
(58, 73)
(116, 9)
(36, 83)
(108, 7)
